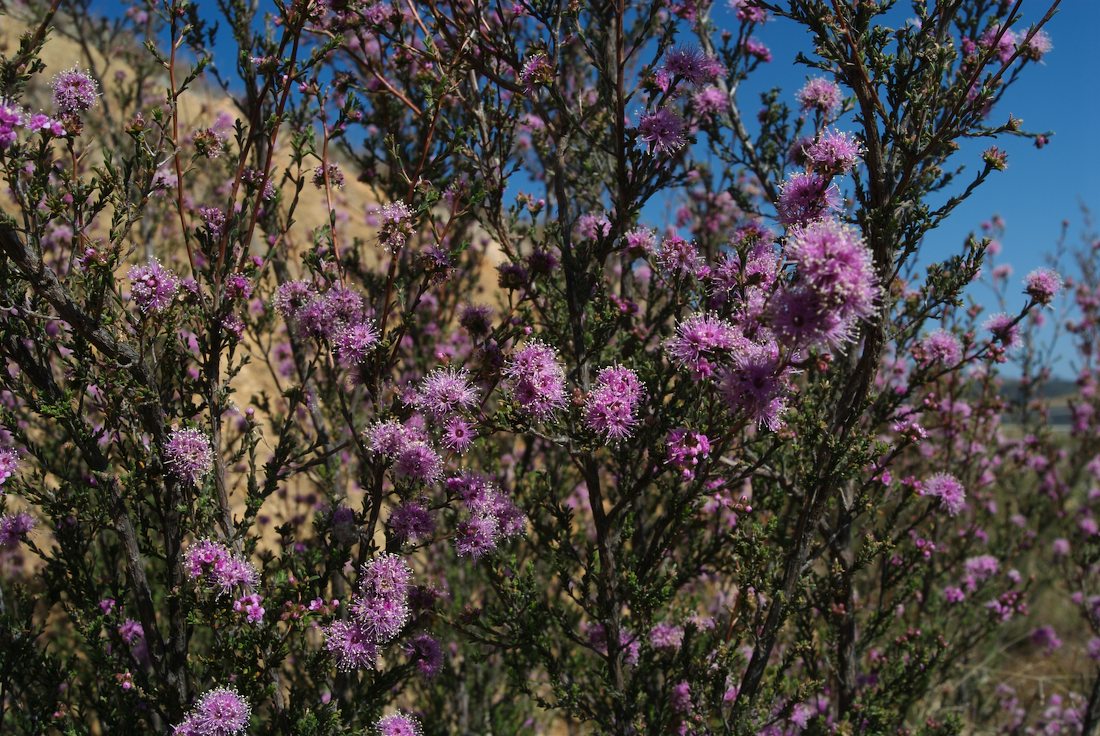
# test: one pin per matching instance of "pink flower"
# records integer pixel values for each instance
(1004, 329)
(445, 391)
(702, 341)
(1043, 284)
(350, 646)
(493, 516)
(833, 152)
(398, 724)
(188, 455)
(536, 380)
(806, 196)
(458, 435)
(537, 70)
(663, 131)
(220, 712)
(666, 636)
(354, 343)
(252, 606)
(153, 287)
(755, 48)
(756, 385)
(835, 262)
(610, 410)
(9, 463)
(692, 65)
(1038, 46)
(74, 91)
(946, 488)
(684, 449)
(820, 95)
(14, 527)
(939, 347)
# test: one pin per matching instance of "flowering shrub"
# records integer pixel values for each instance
(476, 450)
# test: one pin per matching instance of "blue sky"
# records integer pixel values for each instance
(1040, 188)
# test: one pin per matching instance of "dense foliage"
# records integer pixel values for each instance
(449, 367)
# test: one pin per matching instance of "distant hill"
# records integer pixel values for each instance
(1055, 388)
(1055, 393)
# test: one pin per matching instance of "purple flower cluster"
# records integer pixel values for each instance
(679, 258)
(946, 488)
(806, 196)
(611, 407)
(238, 286)
(215, 564)
(153, 287)
(938, 348)
(408, 448)
(398, 724)
(756, 48)
(9, 463)
(220, 712)
(663, 130)
(1004, 329)
(1043, 284)
(424, 649)
(592, 226)
(477, 319)
(710, 101)
(820, 95)
(395, 225)
(378, 611)
(411, 522)
(1000, 39)
(748, 11)
(756, 384)
(680, 697)
(213, 218)
(251, 606)
(1038, 46)
(666, 636)
(749, 273)
(833, 152)
(338, 315)
(692, 65)
(14, 527)
(350, 646)
(458, 435)
(684, 449)
(492, 515)
(327, 315)
(188, 454)
(702, 342)
(836, 286)
(335, 176)
(536, 380)
(130, 631)
(629, 644)
(445, 391)
(537, 70)
(74, 92)
(13, 117)
(354, 343)
(640, 241)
